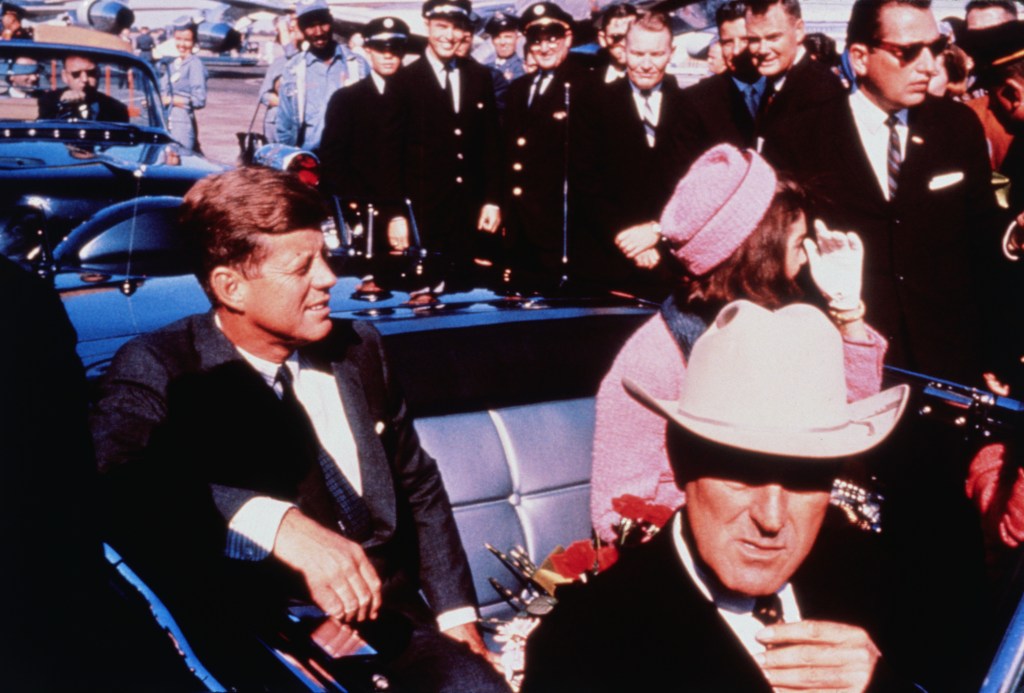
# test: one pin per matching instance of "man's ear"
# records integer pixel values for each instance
(800, 30)
(230, 287)
(601, 40)
(568, 39)
(859, 58)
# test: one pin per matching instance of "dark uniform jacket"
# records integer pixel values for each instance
(538, 138)
(352, 142)
(101, 107)
(618, 180)
(808, 85)
(186, 432)
(925, 249)
(447, 163)
(714, 113)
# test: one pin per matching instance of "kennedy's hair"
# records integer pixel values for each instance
(730, 12)
(757, 269)
(224, 215)
(761, 7)
(865, 23)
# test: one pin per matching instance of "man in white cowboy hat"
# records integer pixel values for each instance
(735, 593)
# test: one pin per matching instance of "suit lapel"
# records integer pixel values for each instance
(378, 485)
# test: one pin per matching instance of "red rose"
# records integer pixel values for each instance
(580, 558)
(630, 507)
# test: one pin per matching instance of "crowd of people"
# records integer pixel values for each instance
(805, 231)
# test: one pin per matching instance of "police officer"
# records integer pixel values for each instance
(313, 75)
(183, 88)
(539, 120)
(351, 145)
(503, 30)
(442, 141)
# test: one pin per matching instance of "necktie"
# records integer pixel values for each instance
(449, 67)
(768, 609)
(648, 117)
(750, 97)
(894, 158)
(538, 86)
(353, 515)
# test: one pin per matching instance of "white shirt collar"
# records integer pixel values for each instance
(378, 81)
(868, 115)
(266, 369)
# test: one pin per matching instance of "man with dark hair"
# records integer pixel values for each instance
(310, 77)
(911, 174)
(443, 145)
(628, 163)
(981, 14)
(352, 140)
(539, 144)
(775, 30)
(722, 108)
(611, 36)
(738, 592)
(260, 454)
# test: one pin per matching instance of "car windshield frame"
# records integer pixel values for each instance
(122, 76)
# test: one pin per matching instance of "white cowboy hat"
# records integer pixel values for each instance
(774, 382)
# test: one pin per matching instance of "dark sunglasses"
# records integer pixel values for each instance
(910, 52)
(616, 38)
(78, 74)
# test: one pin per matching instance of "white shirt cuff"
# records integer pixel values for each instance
(1009, 251)
(253, 529)
(456, 617)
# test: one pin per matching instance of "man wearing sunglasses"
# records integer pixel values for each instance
(910, 174)
(615, 22)
(80, 99)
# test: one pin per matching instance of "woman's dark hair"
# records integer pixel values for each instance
(756, 270)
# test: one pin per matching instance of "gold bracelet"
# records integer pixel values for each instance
(844, 317)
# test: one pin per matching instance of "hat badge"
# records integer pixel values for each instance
(539, 10)
(388, 23)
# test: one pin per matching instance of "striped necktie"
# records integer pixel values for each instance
(894, 158)
(647, 116)
(353, 515)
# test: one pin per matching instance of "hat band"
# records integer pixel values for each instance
(393, 36)
(1008, 58)
(770, 429)
(446, 9)
(546, 21)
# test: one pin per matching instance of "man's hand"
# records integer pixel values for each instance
(490, 218)
(836, 261)
(340, 579)
(337, 639)
(72, 96)
(638, 239)
(648, 259)
(817, 655)
(398, 233)
(470, 634)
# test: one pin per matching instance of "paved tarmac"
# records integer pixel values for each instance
(230, 102)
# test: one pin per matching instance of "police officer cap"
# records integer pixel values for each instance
(544, 14)
(996, 45)
(501, 22)
(307, 7)
(6, 7)
(386, 32)
(448, 9)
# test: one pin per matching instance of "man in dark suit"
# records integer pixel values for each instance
(538, 145)
(80, 99)
(627, 165)
(721, 108)
(443, 143)
(260, 453)
(352, 143)
(795, 81)
(917, 191)
(730, 595)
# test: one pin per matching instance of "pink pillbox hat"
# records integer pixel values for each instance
(716, 206)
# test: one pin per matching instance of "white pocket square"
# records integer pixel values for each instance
(945, 180)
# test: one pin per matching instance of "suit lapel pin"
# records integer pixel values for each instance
(379, 427)
(916, 139)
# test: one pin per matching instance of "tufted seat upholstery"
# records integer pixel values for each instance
(516, 476)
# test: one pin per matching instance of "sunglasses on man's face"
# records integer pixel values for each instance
(78, 74)
(909, 52)
(614, 39)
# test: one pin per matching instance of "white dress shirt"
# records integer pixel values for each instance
(736, 611)
(378, 82)
(874, 135)
(439, 72)
(653, 101)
